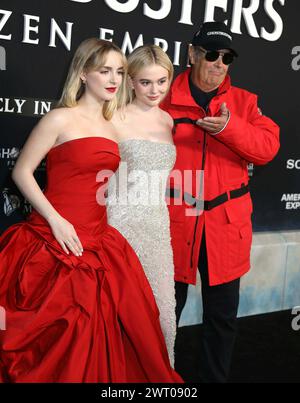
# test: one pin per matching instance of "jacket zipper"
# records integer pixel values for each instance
(204, 147)
(206, 113)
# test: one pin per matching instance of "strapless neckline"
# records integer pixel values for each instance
(145, 140)
(82, 138)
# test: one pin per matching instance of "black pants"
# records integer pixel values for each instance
(220, 305)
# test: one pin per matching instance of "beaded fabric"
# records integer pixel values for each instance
(136, 207)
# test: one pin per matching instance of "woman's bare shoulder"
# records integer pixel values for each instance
(58, 115)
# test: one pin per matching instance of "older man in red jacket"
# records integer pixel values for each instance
(218, 130)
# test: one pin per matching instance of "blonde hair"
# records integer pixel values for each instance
(145, 56)
(91, 55)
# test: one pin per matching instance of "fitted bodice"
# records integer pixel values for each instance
(77, 174)
(147, 155)
(142, 175)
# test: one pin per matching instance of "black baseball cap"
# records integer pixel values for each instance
(214, 36)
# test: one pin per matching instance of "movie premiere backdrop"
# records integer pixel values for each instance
(39, 37)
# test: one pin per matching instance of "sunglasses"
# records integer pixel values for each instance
(213, 55)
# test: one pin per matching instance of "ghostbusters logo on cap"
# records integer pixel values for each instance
(219, 33)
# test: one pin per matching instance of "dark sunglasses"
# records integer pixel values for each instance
(213, 55)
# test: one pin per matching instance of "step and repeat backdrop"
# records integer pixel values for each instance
(38, 38)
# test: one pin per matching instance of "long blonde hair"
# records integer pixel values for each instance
(91, 55)
(145, 56)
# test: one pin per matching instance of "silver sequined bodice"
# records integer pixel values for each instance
(136, 207)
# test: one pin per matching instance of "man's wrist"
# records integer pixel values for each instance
(214, 134)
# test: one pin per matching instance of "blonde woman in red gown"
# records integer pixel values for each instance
(78, 305)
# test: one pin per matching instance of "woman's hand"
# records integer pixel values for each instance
(66, 236)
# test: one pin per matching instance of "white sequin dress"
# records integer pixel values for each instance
(136, 207)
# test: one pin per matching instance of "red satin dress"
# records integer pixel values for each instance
(91, 318)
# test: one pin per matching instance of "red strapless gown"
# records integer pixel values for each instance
(78, 319)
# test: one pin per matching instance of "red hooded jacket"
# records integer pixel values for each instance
(249, 137)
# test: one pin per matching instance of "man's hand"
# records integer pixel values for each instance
(215, 124)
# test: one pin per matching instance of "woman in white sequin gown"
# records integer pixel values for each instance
(136, 204)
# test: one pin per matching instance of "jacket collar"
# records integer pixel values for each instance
(180, 90)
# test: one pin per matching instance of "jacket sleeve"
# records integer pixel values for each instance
(256, 139)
